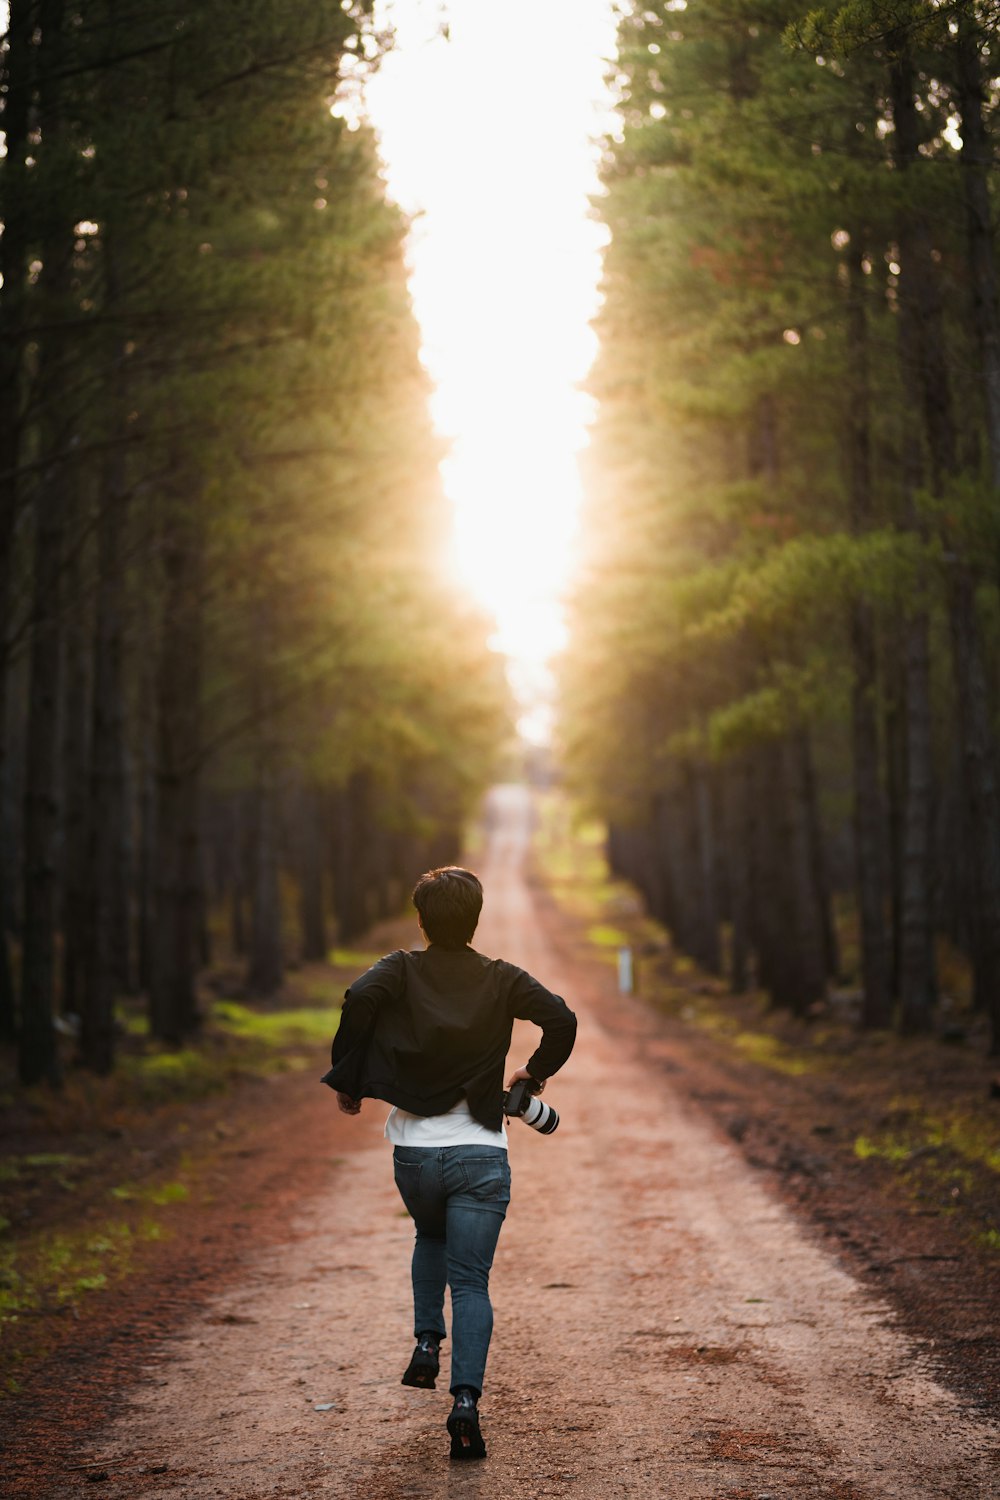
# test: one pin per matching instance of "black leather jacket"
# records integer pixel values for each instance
(422, 1029)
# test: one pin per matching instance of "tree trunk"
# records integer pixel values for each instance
(38, 1057)
(266, 968)
(678, 838)
(921, 365)
(917, 965)
(806, 930)
(312, 887)
(703, 871)
(8, 1001)
(869, 828)
(638, 859)
(146, 808)
(979, 771)
(922, 343)
(204, 909)
(982, 793)
(176, 924)
(38, 1053)
(787, 928)
(736, 789)
(108, 805)
(896, 721)
(917, 968)
(977, 161)
(76, 868)
(773, 928)
(265, 971)
(869, 813)
(122, 944)
(18, 67)
(662, 862)
(920, 295)
(350, 828)
(817, 857)
(238, 877)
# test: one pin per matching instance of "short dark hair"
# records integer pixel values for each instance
(448, 902)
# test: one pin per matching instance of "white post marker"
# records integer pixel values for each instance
(626, 973)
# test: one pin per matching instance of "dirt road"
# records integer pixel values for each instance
(664, 1326)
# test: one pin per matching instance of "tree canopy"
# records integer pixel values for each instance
(783, 669)
(232, 665)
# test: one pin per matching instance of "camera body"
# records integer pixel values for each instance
(521, 1102)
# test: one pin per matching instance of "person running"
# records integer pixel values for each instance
(428, 1032)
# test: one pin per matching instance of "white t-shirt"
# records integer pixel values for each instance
(458, 1127)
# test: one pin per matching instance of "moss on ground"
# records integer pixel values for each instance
(964, 1135)
(236, 1041)
(277, 1028)
(769, 1052)
(604, 936)
(356, 959)
(56, 1268)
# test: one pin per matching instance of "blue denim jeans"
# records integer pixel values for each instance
(457, 1197)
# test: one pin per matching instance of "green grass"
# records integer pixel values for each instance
(768, 1052)
(941, 1161)
(260, 1042)
(975, 1140)
(159, 1194)
(58, 1268)
(758, 1047)
(277, 1028)
(885, 1148)
(353, 958)
(328, 992)
(604, 936)
(943, 1158)
(972, 1140)
(187, 1073)
(12, 1168)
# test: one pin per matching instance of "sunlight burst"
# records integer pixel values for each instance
(496, 161)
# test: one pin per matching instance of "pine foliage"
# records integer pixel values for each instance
(789, 599)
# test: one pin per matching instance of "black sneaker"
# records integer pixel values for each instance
(463, 1425)
(424, 1363)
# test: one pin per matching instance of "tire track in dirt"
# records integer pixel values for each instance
(664, 1327)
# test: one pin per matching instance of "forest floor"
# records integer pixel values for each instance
(759, 1258)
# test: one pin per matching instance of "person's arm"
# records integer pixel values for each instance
(357, 1017)
(531, 1001)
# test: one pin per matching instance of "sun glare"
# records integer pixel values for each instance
(488, 112)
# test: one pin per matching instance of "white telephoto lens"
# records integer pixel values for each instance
(540, 1116)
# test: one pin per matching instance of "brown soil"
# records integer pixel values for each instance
(669, 1320)
(913, 1230)
(894, 1230)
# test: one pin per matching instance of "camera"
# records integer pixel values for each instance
(522, 1102)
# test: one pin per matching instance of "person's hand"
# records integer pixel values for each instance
(520, 1073)
(348, 1105)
